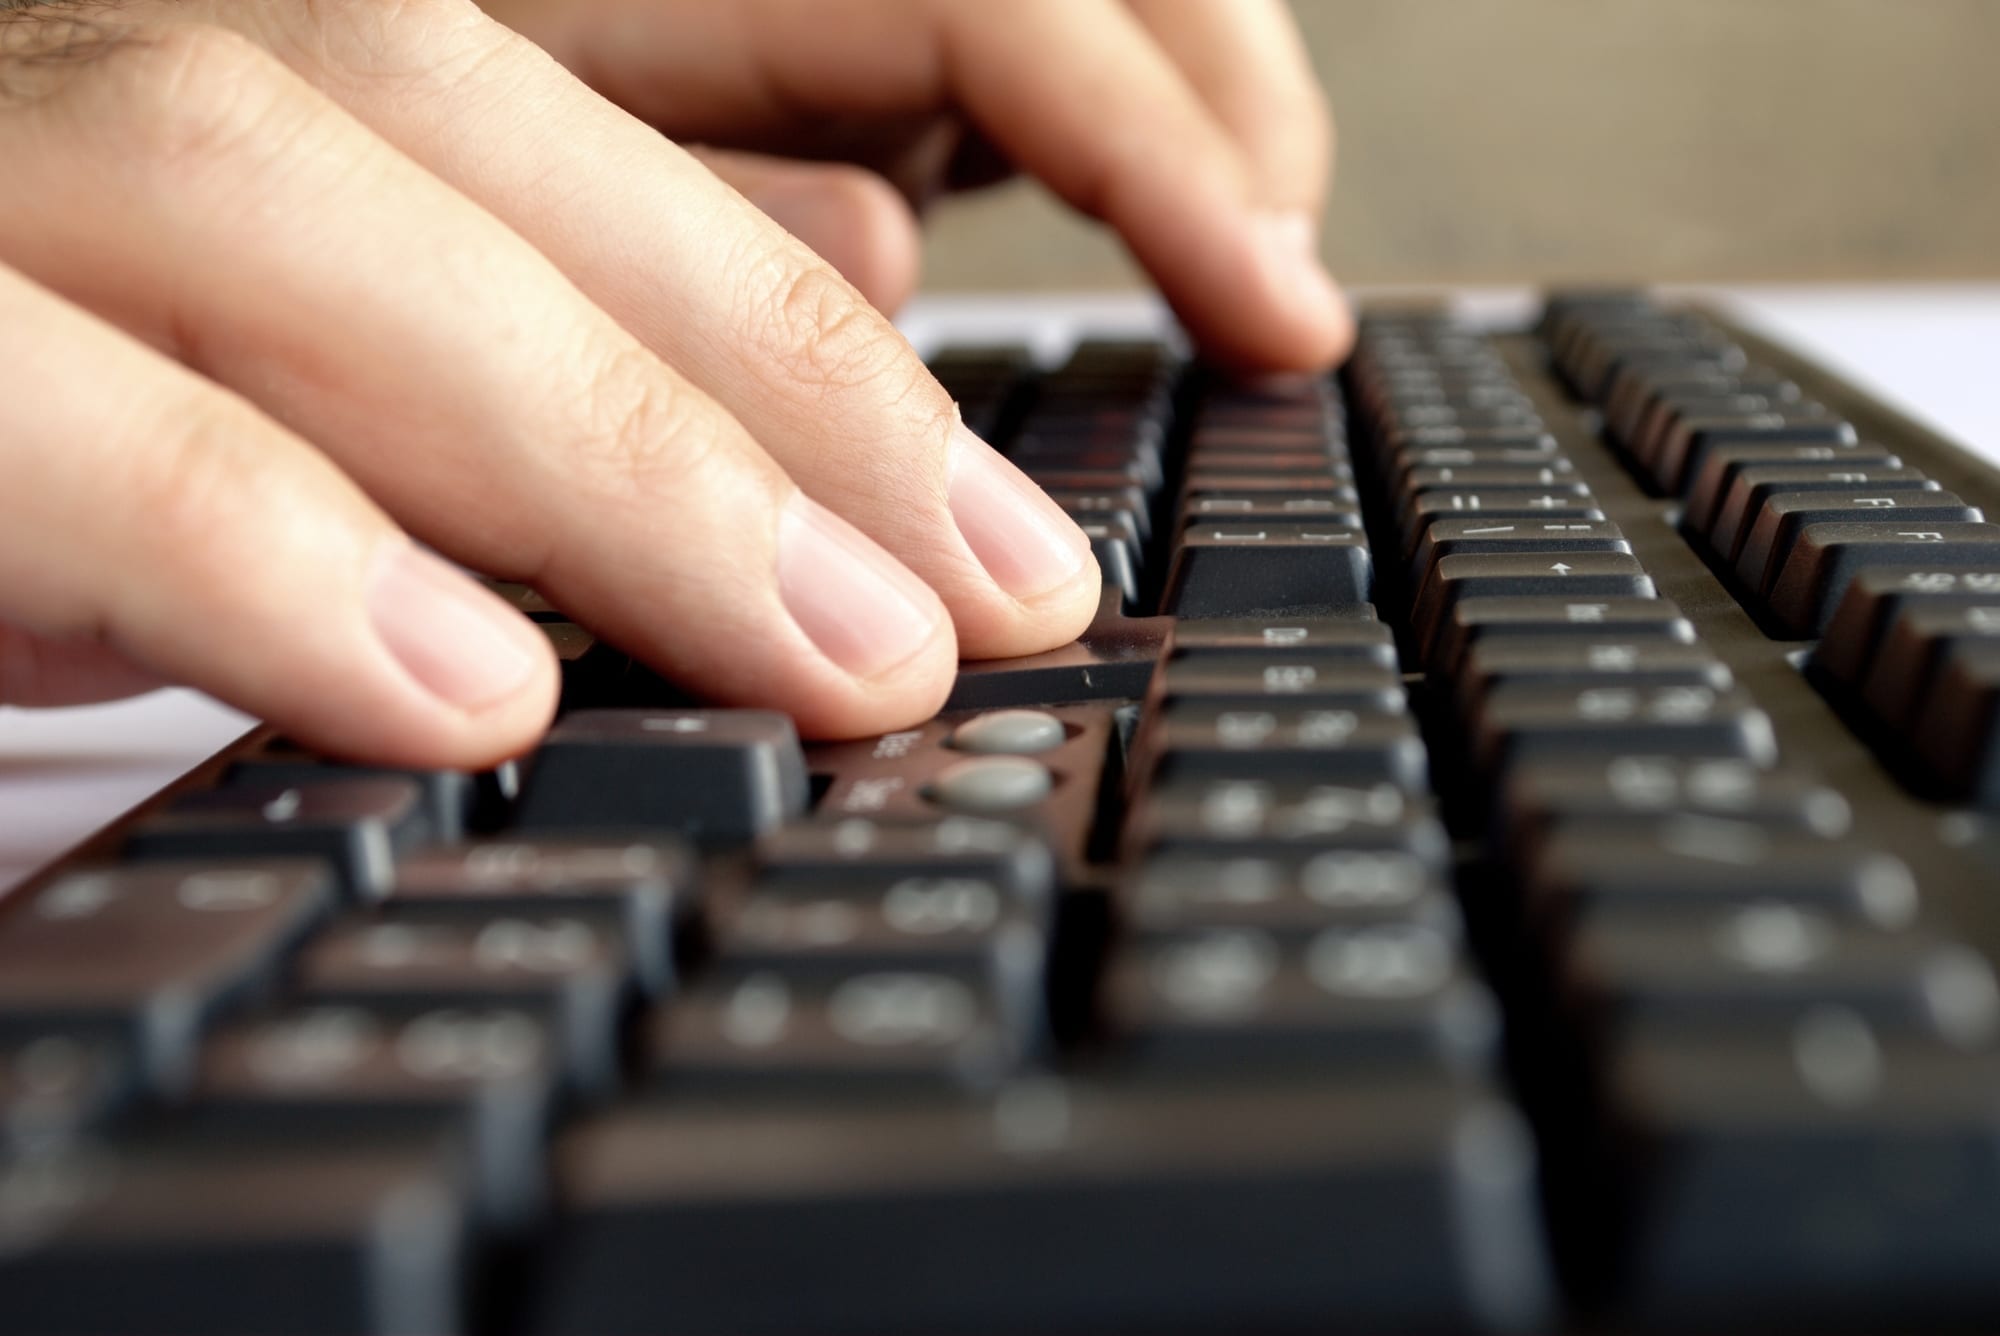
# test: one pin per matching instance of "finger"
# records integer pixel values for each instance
(1247, 63)
(822, 380)
(231, 557)
(1075, 92)
(853, 219)
(454, 373)
(39, 671)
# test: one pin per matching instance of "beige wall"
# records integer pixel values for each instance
(1564, 139)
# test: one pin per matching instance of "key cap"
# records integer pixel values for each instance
(1831, 1176)
(308, 1074)
(340, 1240)
(1010, 733)
(1174, 1208)
(1360, 639)
(1827, 557)
(1685, 445)
(1282, 742)
(1768, 963)
(1287, 897)
(1498, 537)
(963, 926)
(574, 972)
(1240, 1000)
(1497, 661)
(1752, 488)
(1259, 819)
(1245, 570)
(715, 775)
(769, 1033)
(1574, 578)
(1721, 466)
(1588, 791)
(1473, 620)
(1958, 727)
(1532, 720)
(1332, 505)
(1875, 598)
(153, 953)
(1904, 673)
(1691, 861)
(1113, 660)
(449, 795)
(1768, 545)
(358, 827)
(1293, 680)
(858, 851)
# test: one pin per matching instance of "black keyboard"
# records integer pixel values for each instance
(1512, 852)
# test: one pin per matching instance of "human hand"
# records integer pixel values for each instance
(285, 284)
(1196, 128)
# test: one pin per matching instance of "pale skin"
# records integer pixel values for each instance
(294, 293)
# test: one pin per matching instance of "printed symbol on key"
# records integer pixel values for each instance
(1244, 728)
(758, 1012)
(1285, 635)
(1387, 962)
(679, 723)
(463, 1046)
(930, 905)
(1218, 975)
(1774, 939)
(896, 1010)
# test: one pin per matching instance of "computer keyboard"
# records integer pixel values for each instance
(1511, 853)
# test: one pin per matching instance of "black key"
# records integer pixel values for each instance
(858, 852)
(1750, 488)
(1573, 578)
(1721, 465)
(449, 795)
(1359, 639)
(1576, 661)
(715, 775)
(1473, 620)
(1280, 741)
(1333, 505)
(358, 827)
(1875, 598)
(301, 1076)
(214, 1239)
(771, 1033)
(1126, 503)
(1572, 503)
(1601, 790)
(1500, 537)
(56, 1087)
(1287, 897)
(1262, 819)
(1738, 398)
(574, 972)
(153, 953)
(1958, 727)
(1768, 543)
(1920, 641)
(1665, 865)
(1766, 963)
(1827, 557)
(1243, 570)
(1684, 445)
(1113, 660)
(1293, 680)
(528, 602)
(1185, 1209)
(1831, 1175)
(1241, 999)
(1117, 559)
(1532, 720)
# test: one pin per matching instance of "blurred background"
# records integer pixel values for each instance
(1560, 140)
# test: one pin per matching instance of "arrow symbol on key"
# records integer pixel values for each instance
(1561, 568)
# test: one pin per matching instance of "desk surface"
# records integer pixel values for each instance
(1925, 350)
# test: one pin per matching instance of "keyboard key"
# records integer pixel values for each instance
(1243, 570)
(1288, 897)
(1752, 488)
(1874, 599)
(1472, 620)
(1289, 680)
(1609, 788)
(1767, 546)
(1498, 537)
(450, 796)
(153, 954)
(855, 851)
(337, 1240)
(1361, 638)
(1113, 660)
(1957, 728)
(1573, 578)
(57, 1087)
(358, 827)
(1278, 741)
(715, 775)
(1534, 720)
(1828, 556)
(1010, 733)
(1199, 1209)
(1722, 465)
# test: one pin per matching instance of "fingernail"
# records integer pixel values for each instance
(852, 599)
(1022, 538)
(1289, 240)
(463, 644)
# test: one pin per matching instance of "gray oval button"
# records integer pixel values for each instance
(992, 784)
(1005, 732)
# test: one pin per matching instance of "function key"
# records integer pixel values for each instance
(1826, 557)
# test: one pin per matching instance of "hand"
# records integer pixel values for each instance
(286, 284)
(1194, 127)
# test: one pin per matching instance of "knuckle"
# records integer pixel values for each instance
(825, 335)
(642, 433)
(399, 39)
(192, 94)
